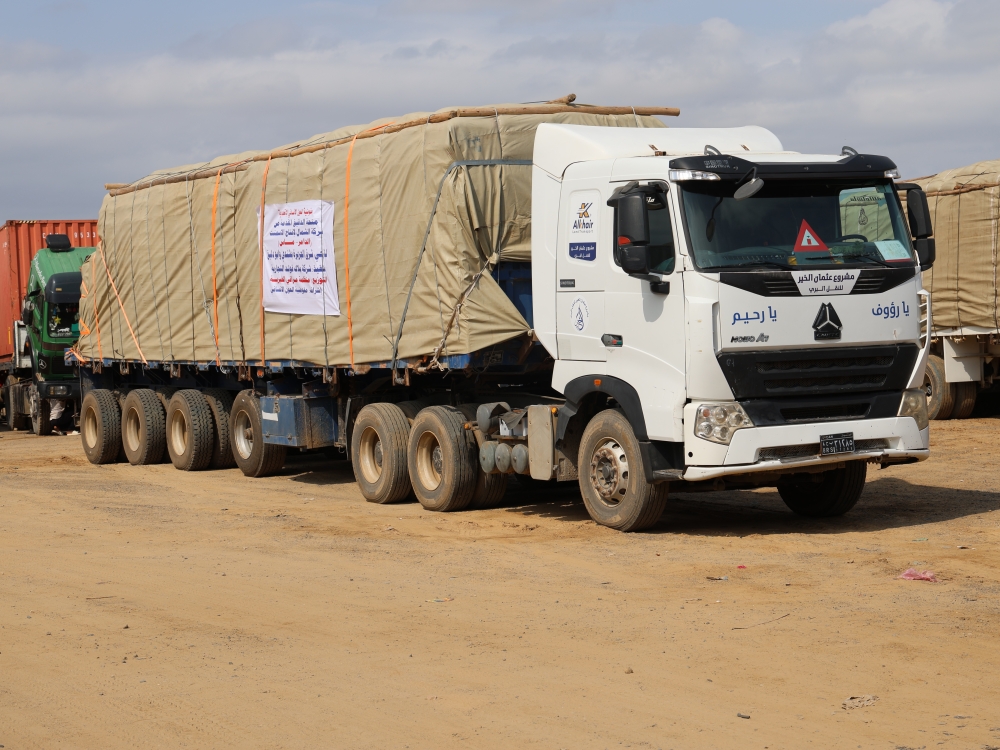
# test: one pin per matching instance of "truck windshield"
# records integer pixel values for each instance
(64, 320)
(796, 223)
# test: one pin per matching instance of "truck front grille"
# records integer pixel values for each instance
(818, 372)
(825, 413)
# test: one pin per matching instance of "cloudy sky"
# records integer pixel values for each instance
(96, 92)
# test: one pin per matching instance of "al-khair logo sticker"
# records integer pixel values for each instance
(583, 227)
(579, 314)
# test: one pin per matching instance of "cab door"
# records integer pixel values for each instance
(584, 248)
(645, 322)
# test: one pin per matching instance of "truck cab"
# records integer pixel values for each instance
(755, 313)
(42, 385)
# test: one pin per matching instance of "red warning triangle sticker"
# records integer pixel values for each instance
(808, 241)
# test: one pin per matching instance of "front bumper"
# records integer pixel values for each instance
(66, 390)
(791, 447)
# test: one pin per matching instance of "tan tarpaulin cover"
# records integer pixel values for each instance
(157, 248)
(965, 211)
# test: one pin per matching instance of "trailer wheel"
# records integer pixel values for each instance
(442, 459)
(378, 453)
(612, 480)
(490, 488)
(940, 393)
(190, 433)
(826, 494)
(144, 432)
(246, 430)
(965, 400)
(40, 411)
(221, 403)
(101, 426)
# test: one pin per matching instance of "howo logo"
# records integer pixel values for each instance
(827, 325)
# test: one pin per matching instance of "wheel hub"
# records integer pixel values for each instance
(437, 459)
(609, 472)
(378, 454)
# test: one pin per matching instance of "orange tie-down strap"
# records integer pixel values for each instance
(347, 266)
(215, 286)
(260, 235)
(100, 246)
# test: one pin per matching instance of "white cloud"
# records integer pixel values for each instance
(914, 79)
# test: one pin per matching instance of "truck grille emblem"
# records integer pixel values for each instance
(827, 324)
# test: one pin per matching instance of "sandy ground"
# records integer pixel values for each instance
(146, 607)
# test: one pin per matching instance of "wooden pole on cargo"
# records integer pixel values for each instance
(114, 189)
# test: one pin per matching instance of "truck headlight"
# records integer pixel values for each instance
(58, 390)
(914, 404)
(718, 422)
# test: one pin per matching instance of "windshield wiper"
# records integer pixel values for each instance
(751, 264)
(872, 258)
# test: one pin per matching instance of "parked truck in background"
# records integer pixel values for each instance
(696, 309)
(965, 321)
(39, 298)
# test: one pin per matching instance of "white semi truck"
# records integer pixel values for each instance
(708, 311)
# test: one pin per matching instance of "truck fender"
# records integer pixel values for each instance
(626, 396)
(661, 461)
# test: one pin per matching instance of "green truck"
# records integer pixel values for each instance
(40, 389)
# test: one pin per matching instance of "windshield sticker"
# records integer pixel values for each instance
(808, 241)
(892, 250)
(813, 283)
(892, 310)
(583, 250)
(756, 317)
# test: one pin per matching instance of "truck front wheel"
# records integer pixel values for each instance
(144, 434)
(246, 434)
(101, 426)
(40, 411)
(378, 453)
(612, 480)
(825, 494)
(442, 461)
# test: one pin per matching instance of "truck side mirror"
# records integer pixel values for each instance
(926, 252)
(919, 213)
(27, 313)
(633, 219)
(634, 258)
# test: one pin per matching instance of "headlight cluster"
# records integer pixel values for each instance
(718, 422)
(914, 404)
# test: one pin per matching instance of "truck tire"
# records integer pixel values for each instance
(101, 426)
(12, 397)
(965, 400)
(144, 431)
(612, 480)
(441, 459)
(246, 430)
(940, 393)
(826, 494)
(490, 488)
(221, 403)
(378, 453)
(40, 424)
(190, 433)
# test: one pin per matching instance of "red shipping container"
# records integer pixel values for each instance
(19, 241)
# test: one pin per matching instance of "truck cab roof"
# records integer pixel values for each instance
(558, 146)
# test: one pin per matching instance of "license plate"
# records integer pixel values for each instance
(842, 442)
